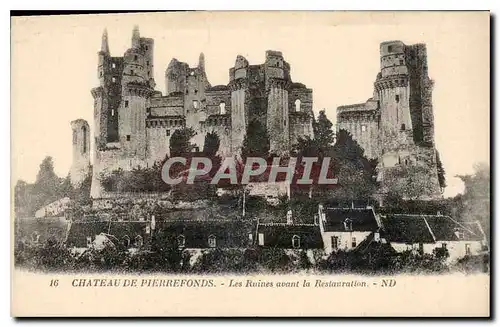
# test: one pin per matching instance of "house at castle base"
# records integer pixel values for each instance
(425, 233)
(289, 236)
(346, 228)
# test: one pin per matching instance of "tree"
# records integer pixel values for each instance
(323, 132)
(212, 144)
(410, 182)
(476, 197)
(355, 173)
(180, 142)
(47, 183)
(440, 171)
(47, 188)
(256, 141)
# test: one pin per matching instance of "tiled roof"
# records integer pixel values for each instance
(195, 232)
(447, 229)
(363, 219)
(280, 235)
(428, 229)
(407, 229)
(228, 234)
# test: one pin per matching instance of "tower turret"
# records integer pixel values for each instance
(136, 36)
(393, 93)
(104, 42)
(201, 62)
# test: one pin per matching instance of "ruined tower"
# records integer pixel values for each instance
(81, 151)
(120, 101)
(277, 85)
(396, 125)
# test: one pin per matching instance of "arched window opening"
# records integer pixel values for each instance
(297, 105)
(222, 108)
(403, 127)
(84, 132)
(212, 241)
(296, 241)
(181, 241)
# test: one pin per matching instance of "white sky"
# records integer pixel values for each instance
(54, 62)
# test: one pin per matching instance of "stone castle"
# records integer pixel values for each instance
(133, 122)
(396, 125)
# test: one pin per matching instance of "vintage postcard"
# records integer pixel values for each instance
(251, 164)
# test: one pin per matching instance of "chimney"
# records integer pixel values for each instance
(289, 218)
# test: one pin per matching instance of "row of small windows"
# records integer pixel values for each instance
(181, 241)
(336, 242)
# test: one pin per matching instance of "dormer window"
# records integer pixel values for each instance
(212, 241)
(181, 241)
(459, 233)
(348, 224)
(113, 65)
(113, 79)
(296, 241)
(363, 128)
(195, 104)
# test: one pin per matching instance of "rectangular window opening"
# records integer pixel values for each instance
(128, 137)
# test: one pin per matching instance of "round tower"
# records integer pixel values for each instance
(81, 151)
(277, 85)
(393, 93)
(238, 83)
